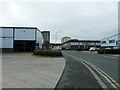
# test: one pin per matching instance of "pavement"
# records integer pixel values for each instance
(24, 70)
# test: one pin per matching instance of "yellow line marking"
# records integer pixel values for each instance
(106, 76)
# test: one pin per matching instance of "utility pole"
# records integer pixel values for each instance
(56, 35)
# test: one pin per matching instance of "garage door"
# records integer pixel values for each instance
(24, 46)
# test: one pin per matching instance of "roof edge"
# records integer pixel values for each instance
(20, 27)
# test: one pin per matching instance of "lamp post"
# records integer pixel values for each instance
(56, 35)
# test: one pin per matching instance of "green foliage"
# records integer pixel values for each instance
(46, 44)
(51, 53)
(109, 51)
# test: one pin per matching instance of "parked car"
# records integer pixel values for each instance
(107, 48)
(92, 49)
(116, 47)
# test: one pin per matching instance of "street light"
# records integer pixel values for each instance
(56, 35)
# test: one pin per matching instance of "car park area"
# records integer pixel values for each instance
(24, 70)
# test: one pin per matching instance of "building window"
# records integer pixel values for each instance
(111, 41)
(103, 42)
(118, 42)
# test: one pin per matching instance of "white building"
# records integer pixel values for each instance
(111, 42)
(20, 38)
(75, 44)
(64, 39)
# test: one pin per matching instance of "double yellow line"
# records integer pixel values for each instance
(106, 76)
(90, 66)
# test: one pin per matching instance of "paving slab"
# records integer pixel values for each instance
(24, 70)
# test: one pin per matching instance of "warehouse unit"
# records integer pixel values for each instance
(20, 38)
(75, 44)
(111, 42)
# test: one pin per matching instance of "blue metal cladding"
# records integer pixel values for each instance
(112, 41)
(118, 43)
(103, 42)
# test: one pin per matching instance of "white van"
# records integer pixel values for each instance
(92, 49)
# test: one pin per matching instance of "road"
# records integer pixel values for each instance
(107, 64)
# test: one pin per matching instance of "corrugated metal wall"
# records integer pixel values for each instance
(24, 34)
(26, 37)
(7, 38)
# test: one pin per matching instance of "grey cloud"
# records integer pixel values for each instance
(77, 20)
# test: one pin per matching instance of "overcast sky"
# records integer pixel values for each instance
(78, 20)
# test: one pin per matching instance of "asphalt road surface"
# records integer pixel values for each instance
(106, 63)
(77, 75)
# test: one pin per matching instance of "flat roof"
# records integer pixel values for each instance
(21, 27)
(55, 43)
(76, 40)
(44, 31)
(111, 36)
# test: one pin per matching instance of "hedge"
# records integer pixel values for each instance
(51, 53)
(109, 51)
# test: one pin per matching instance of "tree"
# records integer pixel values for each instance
(46, 44)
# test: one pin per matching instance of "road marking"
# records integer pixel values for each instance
(115, 57)
(106, 56)
(102, 84)
(106, 76)
(109, 56)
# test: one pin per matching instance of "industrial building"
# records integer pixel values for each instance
(75, 44)
(20, 38)
(111, 42)
(55, 46)
(46, 39)
(64, 39)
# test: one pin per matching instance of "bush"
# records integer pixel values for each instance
(51, 53)
(109, 51)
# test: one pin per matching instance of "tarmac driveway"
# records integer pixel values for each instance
(24, 70)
